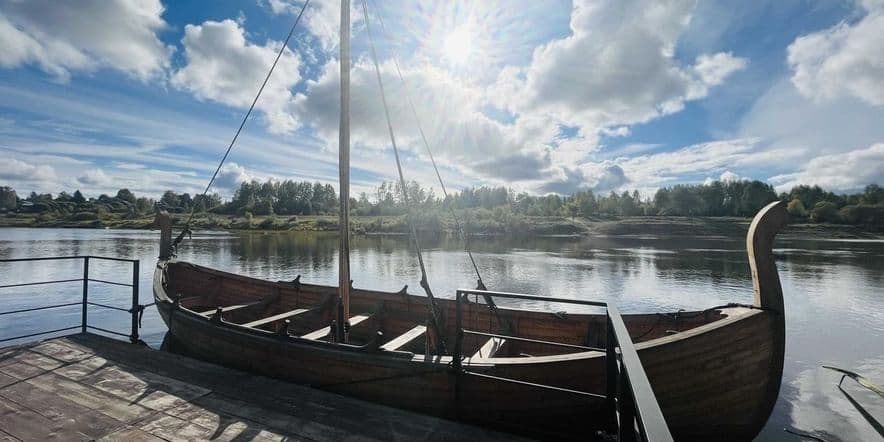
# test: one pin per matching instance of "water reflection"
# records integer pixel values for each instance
(834, 290)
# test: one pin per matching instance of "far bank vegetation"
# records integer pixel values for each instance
(292, 205)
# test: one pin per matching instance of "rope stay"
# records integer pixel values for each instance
(186, 230)
(457, 223)
(460, 227)
(434, 311)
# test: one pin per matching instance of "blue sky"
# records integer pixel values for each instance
(543, 97)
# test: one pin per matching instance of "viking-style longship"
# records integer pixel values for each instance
(715, 372)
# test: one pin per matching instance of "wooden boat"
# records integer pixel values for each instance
(715, 372)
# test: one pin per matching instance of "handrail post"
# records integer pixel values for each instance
(611, 374)
(626, 404)
(458, 349)
(458, 343)
(135, 302)
(85, 292)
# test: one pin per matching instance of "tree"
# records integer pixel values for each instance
(8, 198)
(78, 197)
(126, 195)
(796, 208)
(169, 201)
(873, 195)
(756, 195)
(824, 212)
(144, 205)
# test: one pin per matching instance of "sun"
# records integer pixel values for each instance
(458, 46)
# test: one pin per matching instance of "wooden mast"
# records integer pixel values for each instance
(344, 171)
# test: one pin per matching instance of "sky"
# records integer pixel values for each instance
(543, 97)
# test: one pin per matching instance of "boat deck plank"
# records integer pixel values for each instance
(88, 387)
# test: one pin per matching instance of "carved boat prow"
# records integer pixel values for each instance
(768, 291)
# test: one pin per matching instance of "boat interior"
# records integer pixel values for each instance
(399, 322)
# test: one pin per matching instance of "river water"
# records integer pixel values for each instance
(834, 292)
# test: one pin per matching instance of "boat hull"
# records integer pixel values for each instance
(715, 381)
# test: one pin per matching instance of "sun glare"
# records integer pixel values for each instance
(458, 46)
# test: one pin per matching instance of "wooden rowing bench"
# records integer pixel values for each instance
(325, 331)
(231, 308)
(490, 348)
(279, 317)
(405, 338)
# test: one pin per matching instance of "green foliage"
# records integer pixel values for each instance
(78, 197)
(8, 198)
(486, 209)
(796, 208)
(824, 212)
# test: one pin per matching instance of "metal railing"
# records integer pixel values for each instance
(632, 409)
(135, 311)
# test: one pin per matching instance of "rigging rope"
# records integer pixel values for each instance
(186, 230)
(404, 189)
(460, 227)
(457, 224)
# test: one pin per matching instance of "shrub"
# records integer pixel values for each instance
(824, 212)
(85, 216)
(796, 208)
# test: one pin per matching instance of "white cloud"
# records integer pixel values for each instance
(230, 177)
(222, 66)
(15, 170)
(448, 108)
(95, 177)
(847, 172)
(729, 176)
(844, 60)
(616, 68)
(64, 37)
(322, 18)
(714, 69)
(726, 177)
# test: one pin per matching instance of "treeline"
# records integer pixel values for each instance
(715, 199)
(124, 204)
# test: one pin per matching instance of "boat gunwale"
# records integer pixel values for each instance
(728, 318)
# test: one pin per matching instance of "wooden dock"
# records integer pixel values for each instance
(88, 387)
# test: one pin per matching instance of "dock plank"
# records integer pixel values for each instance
(26, 424)
(88, 387)
(91, 398)
(130, 434)
(87, 421)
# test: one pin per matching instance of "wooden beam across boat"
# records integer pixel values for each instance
(490, 348)
(274, 318)
(230, 308)
(403, 339)
(323, 332)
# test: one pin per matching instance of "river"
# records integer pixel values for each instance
(834, 291)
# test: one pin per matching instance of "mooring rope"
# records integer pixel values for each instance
(404, 189)
(186, 230)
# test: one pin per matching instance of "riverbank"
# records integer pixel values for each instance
(532, 226)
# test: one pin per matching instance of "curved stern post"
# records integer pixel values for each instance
(759, 245)
(769, 293)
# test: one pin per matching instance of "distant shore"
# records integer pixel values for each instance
(669, 226)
